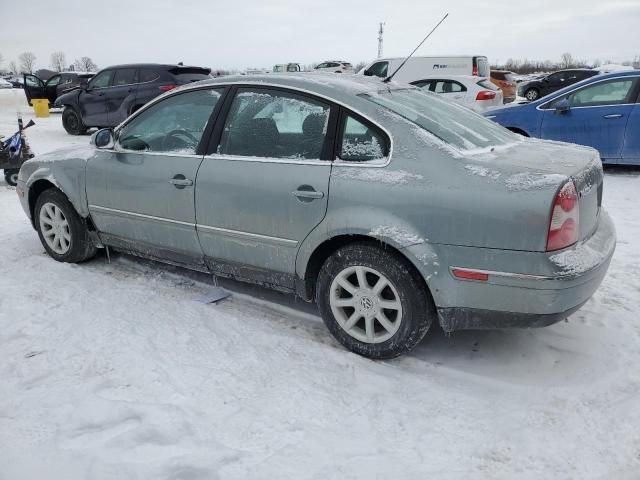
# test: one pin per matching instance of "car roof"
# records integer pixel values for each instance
(156, 65)
(315, 82)
(468, 78)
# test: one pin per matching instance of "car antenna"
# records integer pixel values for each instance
(388, 79)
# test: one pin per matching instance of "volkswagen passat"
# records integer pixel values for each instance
(389, 207)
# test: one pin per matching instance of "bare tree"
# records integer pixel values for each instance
(58, 61)
(566, 60)
(85, 64)
(13, 67)
(27, 62)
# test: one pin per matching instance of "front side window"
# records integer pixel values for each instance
(614, 92)
(378, 69)
(173, 125)
(451, 123)
(101, 80)
(124, 76)
(423, 84)
(362, 142)
(274, 124)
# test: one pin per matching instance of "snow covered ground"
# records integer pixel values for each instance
(114, 371)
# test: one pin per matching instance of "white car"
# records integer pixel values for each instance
(5, 84)
(477, 93)
(416, 68)
(335, 66)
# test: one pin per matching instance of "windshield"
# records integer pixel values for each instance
(451, 123)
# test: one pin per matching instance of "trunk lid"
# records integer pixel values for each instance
(546, 164)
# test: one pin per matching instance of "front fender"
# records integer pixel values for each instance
(65, 169)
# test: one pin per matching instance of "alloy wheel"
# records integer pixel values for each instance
(55, 228)
(365, 304)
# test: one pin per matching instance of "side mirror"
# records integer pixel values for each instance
(103, 139)
(368, 73)
(562, 106)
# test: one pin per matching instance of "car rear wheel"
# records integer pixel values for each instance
(373, 302)
(72, 122)
(62, 232)
(11, 176)
(532, 94)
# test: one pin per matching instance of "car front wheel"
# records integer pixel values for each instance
(532, 94)
(62, 232)
(72, 122)
(11, 176)
(373, 302)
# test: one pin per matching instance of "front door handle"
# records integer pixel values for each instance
(306, 193)
(180, 181)
(612, 115)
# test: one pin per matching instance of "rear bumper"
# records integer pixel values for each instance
(549, 287)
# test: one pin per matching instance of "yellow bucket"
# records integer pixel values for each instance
(40, 106)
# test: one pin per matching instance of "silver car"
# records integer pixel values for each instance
(389, 207)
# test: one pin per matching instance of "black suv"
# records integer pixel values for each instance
(116, 92)
(535, 89)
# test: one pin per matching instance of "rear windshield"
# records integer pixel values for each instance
(487, 84)
(451, 123)
(187, 75)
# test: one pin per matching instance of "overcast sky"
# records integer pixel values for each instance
(260, 33)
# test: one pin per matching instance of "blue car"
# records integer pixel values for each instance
(602, 112)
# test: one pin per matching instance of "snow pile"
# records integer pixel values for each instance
(532, 181)
(583, 257)
(378, 175)
(400, 236)
(482, 171)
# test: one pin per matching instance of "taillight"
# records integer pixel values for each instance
(474, 72)
(485, 95)
(565, 216)
(166, 88)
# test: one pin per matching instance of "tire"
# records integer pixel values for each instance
(411, 309)
(11, 176)
(72, 122)
(532, 94)
(75, 245)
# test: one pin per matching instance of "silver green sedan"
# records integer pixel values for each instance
(389, 207)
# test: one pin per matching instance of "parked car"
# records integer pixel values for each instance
(553, 82)
(476, 93)
(5, 84)
(391, 208)
(602, 112)
(418, 68)
(335, 66)
(287, 67)
(116, 92)
(51, 89)
(505, 81)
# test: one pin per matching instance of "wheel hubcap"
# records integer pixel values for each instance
(365, 304)
(55, 228)
(14, 177)
(531, 95)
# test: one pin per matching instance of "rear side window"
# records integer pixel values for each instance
(275, 124)
(148, 75)
(124, 76)
(362, 142)
(449, 86)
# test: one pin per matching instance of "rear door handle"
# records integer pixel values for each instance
(180, 181)
(612, 115)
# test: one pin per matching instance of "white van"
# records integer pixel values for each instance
(418, 68)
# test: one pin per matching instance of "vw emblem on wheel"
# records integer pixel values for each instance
(366, 303)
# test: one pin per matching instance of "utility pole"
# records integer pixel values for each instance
(380, 32)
